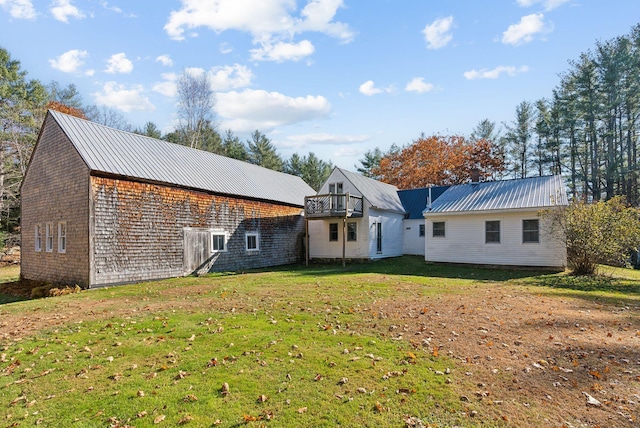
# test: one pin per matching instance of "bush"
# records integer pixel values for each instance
(598, 233)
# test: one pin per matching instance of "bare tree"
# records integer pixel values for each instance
(195, 110)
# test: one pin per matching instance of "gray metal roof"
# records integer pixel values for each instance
(414, 201)
(534, 192)
(380, 195)
(122, 153)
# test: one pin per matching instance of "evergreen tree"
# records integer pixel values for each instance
(262, 152)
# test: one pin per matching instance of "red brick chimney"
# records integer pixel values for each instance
(475, 175)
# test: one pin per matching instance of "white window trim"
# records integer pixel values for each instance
(62, 237)
(226, 241)
(38, 237)
(355, 225)
(531, 230)
(444, 229)
(499, 241)
(246, 246)
(48, 242)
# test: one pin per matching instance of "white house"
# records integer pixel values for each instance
(354, 217)
(496, 223)
(414, 202)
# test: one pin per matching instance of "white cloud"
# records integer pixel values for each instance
(495, 73)
(525, 30)
(347, 152)
(165, 60)
(323, 139)
(63, 9)
(417, 84)
(273, 24)
(168, 87)
(282, 51)
(117, 96)
(369, 88)
(118, 63)
(20, 9)
(70, 61)
(437, 34)
(230, 77)
(547, 4)
(257, 109)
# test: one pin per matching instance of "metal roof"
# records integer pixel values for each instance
(380, 195)
(414, 201)
(131, 155)
(534, 192)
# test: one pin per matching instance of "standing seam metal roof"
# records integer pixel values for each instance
(414, 201)
(123, 153)
(380, 195)
(534, 192)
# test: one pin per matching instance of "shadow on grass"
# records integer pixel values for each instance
(589, 284)
(415, 266)
(8, 298)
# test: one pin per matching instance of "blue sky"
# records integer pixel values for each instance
(333, 77)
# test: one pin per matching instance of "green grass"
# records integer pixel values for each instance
(282, 340)
(9, 274)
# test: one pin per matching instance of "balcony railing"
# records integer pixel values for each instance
(333, 205)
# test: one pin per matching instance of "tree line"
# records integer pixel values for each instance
(24, 103)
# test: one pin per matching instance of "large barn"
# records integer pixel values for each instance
(102, 206)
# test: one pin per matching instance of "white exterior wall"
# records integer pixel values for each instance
(366, 245)
(464, 241)
(338, 177)
(413, 243)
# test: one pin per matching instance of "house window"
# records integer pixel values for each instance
(62, 237)
(218, 242)
(492, 232)
(421, 230)
(438, 229)
(252, 241)
(379, 238)
(337, 201)
(352, 231)
(333, 231)
(38, 237)
(530, 231)
(49, 237)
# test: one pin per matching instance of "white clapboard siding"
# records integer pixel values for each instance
(464, 241)
(412, 241)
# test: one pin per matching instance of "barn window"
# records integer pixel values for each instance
(421, 230)
(252, 241)
(218, 242)
(438, 229)
(333, 231)
(38, 237)
(530, 231)
(62, 237)
(49, 237)
(352, 231)
(492, 232)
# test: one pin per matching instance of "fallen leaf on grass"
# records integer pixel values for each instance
(18, 399)
(159, 419)
(262, 398)
(251, 418)
(185, 420)
(191, 398)
(302, 410)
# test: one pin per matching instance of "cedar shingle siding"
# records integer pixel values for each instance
(124, 229)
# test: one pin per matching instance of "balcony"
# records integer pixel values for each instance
(333, 205)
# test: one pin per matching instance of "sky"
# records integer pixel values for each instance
(332, 77)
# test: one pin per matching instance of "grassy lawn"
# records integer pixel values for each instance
(379, 344)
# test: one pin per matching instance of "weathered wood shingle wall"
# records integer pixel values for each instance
(138, 231)
(56, 189)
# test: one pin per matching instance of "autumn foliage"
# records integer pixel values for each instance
(63, 108)
(440, 160)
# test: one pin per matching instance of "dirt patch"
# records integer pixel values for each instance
(529, 359)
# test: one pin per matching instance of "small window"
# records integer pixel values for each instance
(352, 231)
(438, 229)
(49, 237)
(421, 230)
(492, 232)
(252, 241)
(531, 231)
(62, 237)
(218, 242)
(38, 237)
(333, 231)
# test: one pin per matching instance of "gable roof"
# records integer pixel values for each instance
(525, 193)
(380, 195)
(121, 153)
(414, 201)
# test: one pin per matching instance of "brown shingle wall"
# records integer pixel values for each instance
(139, 230)
(56, 189)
